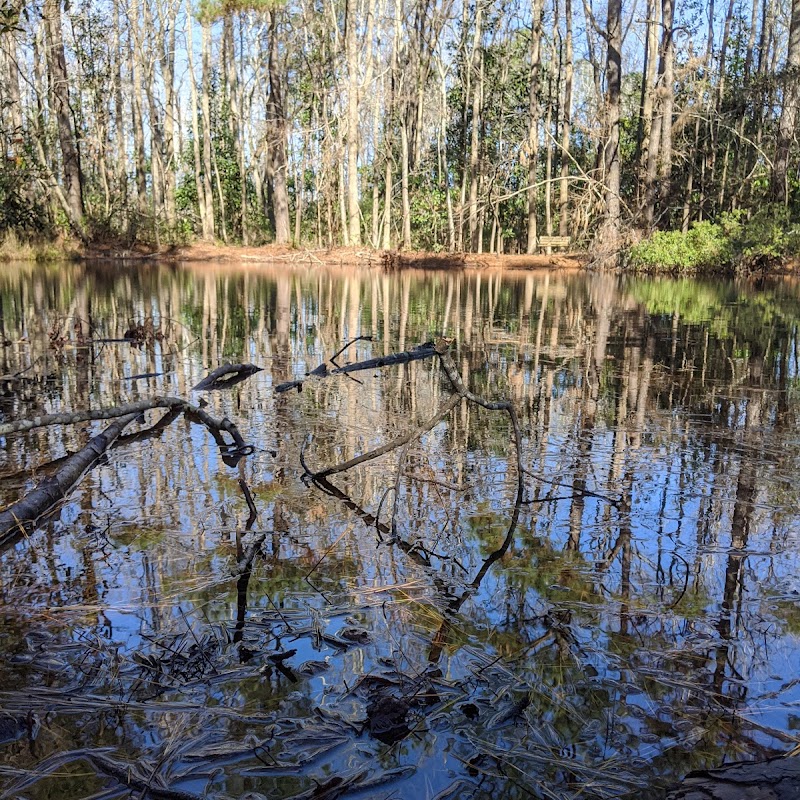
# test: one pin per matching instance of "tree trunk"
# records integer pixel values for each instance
(474, 144)
(470, 154)
(444, 170)
(208, 192)
(566, 110)
(659, 151)
(611, 151)
(404, 188)
(552, 107)
(647, 102)
(788, 120)
(375, 172)
(277, 147)
(387, 206)
(167, 59)
(351, 45)
(206, 219)
(235, 122)
(137, 122)
(393, 79)
(59, 95)
(121, 166)
(537, 8)
(668, 90)
(299, 195)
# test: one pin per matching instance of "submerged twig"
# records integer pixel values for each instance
(451, 403)
(251, 506)
(491, 405)
(127, 775)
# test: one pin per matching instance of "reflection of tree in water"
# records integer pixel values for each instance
(620, 623)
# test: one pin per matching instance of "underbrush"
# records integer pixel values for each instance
(39, 249)
(768, 240)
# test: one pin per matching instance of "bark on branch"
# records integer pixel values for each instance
(17, 520)
(75, 417)
(216, 378)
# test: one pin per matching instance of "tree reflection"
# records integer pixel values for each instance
(621, 623)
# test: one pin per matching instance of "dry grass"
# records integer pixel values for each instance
(12, 248)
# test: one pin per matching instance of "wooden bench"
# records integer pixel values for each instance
(553, 241)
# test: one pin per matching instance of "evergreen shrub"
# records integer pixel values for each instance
(733, 243)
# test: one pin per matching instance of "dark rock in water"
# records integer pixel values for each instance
(354, 634)
(776, 779)
(11, 728)
(311, 668)
(386, 719)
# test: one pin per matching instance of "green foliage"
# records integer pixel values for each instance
(22, 208)
(211, 10)
(694, 301)
(705, 246)
(10, 13)
(767, 238)
(18, 212)
(429, 217)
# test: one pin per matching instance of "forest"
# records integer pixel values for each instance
(429, 125)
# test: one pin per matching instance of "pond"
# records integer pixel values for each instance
(409, 627)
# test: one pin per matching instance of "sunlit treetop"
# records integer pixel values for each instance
(10, 12)
(216, 9)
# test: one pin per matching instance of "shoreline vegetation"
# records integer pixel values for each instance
(658, 140)
(670, 254)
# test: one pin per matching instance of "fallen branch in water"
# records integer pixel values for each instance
(75, 417)
(137, 409)
(439, 348)
(216, 378)
(21, 517)
(389, 446)
(426, 350)
(17, 520)
(461, 392)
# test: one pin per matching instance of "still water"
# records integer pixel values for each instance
(404, 629)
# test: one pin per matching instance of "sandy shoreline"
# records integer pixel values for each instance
(273, 254)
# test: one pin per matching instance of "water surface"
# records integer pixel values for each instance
(406, 630)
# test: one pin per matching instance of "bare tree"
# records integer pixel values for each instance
(59, 97)
(787, 126)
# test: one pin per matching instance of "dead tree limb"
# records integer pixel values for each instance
(75, 417)
(169, 416)
(389, 446)
(320, 477)
(426, 350)
(230, 453)
(216, 378)
(192, 412)
(451, 371)
(19, 518)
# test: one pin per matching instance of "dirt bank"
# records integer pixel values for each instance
(274, 254)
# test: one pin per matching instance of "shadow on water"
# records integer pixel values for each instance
(422, 624)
